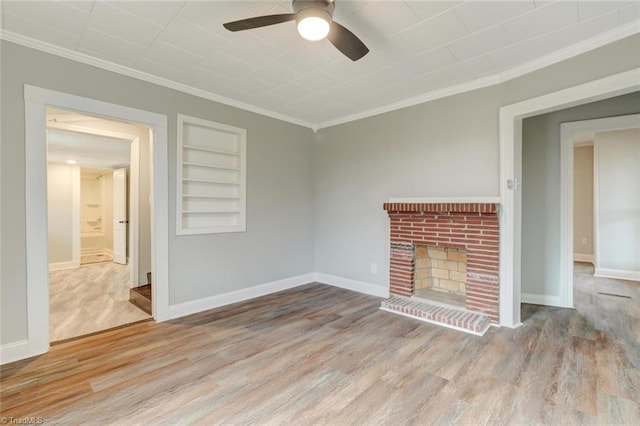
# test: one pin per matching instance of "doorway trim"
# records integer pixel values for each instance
(511, 117)
(36, 101)
(567, 132)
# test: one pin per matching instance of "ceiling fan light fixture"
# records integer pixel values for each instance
(313, 24)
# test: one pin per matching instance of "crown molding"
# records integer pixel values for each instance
(140, 75)
(500, 77)
(491, 80)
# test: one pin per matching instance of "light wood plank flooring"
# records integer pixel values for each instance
(322, 355)
(90, 298)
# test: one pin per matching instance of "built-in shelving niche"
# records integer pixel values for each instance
(211, 177)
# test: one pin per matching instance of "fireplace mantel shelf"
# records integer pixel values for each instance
(439, 200)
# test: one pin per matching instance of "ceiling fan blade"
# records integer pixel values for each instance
(259, 21)
(346, 42)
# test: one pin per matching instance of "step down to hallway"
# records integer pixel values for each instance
(439, 314)
(141, 297)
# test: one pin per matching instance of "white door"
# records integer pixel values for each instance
(120, 216)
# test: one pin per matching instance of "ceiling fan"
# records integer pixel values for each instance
(315, 21)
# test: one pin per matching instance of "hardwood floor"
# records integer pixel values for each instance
(90, 298)
(322, 355)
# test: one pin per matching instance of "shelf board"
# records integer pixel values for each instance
(210, 212)
(216, 151)
(209, 166)
(209, 181)
(210, 197)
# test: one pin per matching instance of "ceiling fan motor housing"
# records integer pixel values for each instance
(304, 8)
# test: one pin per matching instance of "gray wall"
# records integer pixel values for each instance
(448, 147)
(541, 188)
(583, 200)
(337, 184)
(279, 238)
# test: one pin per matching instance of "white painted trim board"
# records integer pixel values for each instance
(617, 274)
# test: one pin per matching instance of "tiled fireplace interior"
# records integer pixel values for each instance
(446, 253)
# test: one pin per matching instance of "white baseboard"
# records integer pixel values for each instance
(108, 252)
(91, 252)
(353, 285)
(579, 257)
(542, 299)
(64, 265)
(617, 274)
(15, 351)
(204, 304)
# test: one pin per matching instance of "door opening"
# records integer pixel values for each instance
(92, 293)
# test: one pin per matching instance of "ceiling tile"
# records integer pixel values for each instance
(114, 21)
(40, 32)
(454, 74)
(210, 15)
(110, 48)
(290, 91)
(207, 80)
(591, 9)
(251, 85)
(269, 100)
(542, 20)
(183, 34)
(83, 5)
(428, 9)
(284, 36)
(308, 57)
(388, 18)
(476, 15)
(253, 50)
(233, 93)
(163, 53)
(480, 42)
(348, 8)
(158, 12)
(629, 14)
(429, 61)
(162, 70)
(434, 32)
(267, 7)
(275, 73)
(317, 80)
(53, 14)
(226, 65)
(540, 46)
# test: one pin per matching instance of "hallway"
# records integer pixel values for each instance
(90, 298)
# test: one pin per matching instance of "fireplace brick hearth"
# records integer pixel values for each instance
(472, 227)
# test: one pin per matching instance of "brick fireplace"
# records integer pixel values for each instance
(460, 242)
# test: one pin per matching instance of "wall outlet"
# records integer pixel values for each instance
(374, 268)
(584, 241)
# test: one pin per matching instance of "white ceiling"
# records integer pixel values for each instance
(418, 49)
(93, 151)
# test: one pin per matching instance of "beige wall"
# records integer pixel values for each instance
(583, 202)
